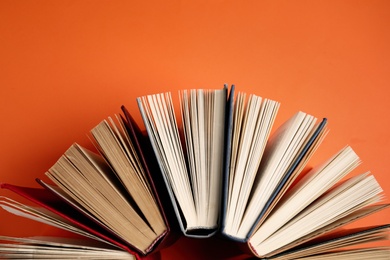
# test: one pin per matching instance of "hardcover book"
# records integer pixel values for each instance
(210, 163)
(107, 196)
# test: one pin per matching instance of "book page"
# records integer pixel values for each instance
(252, 124)
(57, 248)
(92, 188)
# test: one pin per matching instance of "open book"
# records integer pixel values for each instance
(264, 204)
(312, 212)
(219, 167)
(190, 156)
(252, 192)
(107, 196)
(58, 248)
(341, 244)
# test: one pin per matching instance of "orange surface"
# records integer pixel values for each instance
(66, 65)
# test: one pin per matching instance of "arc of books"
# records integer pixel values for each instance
(224, 173)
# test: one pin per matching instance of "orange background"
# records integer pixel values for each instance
(66, 65)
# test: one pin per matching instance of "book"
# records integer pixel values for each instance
(107, 196)
(57, 248)
(316, 213)
(261, 197)
(220, 167)
(258, 175)
(261, 204)
(329, 246)
(190, 159)
(340, 245)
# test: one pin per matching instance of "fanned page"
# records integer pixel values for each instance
(314, 203)
(342, 244)
(115, 144)
(88, 180)
(107, 197)
(55, 204)
(380, 253)
(147, 162)
(113, 190)
(45, 216)
(58, 248)
(328, 230)
(191, 159)
(281, 153)
(253, 118)
(293, 171)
